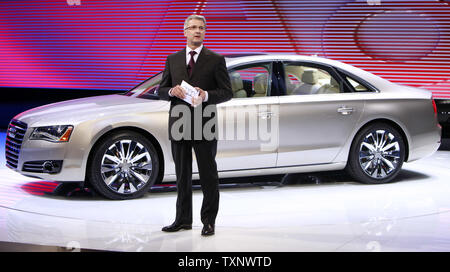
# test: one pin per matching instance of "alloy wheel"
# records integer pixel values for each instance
(379, 154)
(126, 166)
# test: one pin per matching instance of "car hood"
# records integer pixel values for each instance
(79, 110)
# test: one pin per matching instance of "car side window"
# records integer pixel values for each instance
(146, 89)
(250, 80)
(358, 87)
(301, 79)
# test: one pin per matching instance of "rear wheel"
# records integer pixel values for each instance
(124, 166)
(377, 154)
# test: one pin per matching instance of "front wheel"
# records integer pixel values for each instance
(377, 154)
(124, 166)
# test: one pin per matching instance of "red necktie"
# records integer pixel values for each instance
(191, 64)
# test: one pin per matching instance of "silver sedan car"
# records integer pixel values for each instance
(289, 114)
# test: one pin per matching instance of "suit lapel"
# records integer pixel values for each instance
(181, 62)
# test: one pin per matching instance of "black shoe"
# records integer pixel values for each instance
(208, 230)
(176, 227)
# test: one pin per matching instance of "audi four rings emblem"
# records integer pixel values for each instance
(12, 132)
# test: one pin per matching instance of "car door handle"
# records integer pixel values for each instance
(265, 114)
(345, 110)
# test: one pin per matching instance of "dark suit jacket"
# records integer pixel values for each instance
(210, 74)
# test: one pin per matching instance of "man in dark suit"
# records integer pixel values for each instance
(207, 72)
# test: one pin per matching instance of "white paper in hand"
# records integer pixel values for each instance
(191, 92)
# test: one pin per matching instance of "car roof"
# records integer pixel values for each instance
(244, 58)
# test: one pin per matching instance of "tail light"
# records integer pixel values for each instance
(434, 107)
(435, 111)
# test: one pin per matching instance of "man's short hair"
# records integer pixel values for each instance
(194, 16)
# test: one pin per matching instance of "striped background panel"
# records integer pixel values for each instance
(115, 44)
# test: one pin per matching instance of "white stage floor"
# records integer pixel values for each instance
(411, 214)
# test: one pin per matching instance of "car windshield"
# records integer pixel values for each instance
(147, 89)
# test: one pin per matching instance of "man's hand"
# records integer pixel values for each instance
(201, 97)
(201, 93)
(178, 91)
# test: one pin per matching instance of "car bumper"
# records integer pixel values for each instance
(36, 156)
(425, 144)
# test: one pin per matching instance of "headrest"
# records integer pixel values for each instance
(295, 70)
(260, 83)
(236, 82)
(310, 77)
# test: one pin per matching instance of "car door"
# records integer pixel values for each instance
(317, 113)
(246, 121)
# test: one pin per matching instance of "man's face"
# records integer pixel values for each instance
(195, 32)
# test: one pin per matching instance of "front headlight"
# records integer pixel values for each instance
(52, 133)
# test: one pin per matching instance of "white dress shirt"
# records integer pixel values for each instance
(188, 58)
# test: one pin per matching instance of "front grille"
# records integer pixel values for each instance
(14, 138)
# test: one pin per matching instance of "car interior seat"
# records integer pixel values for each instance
(309, 83)
(295, 71)
(260, 83)
(237, 85)
(332, 87)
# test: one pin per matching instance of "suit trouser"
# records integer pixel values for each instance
(205, 152)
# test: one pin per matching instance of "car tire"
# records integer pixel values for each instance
(377, 154)
(124, 165)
